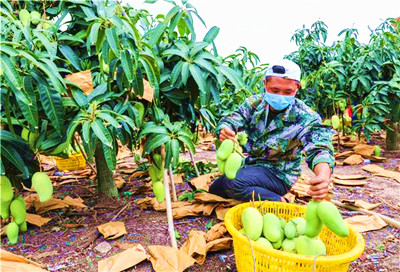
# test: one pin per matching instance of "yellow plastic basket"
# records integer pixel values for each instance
(340, 251)
(73, 162)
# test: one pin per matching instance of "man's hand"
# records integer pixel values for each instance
(319, 187)
(227, 133)
(320, 183)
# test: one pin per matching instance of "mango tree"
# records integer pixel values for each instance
(100, 37)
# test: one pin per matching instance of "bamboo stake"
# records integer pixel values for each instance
(170, 219)
(387, 219)
(171, 178)
(194, 164)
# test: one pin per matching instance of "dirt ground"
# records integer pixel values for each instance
(68, 242)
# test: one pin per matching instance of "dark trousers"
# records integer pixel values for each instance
(262, 181)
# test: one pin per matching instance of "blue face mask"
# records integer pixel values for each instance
(278, 101)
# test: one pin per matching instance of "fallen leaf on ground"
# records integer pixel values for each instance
(353, 160)
(375, 158)
(364, 149)
(215, 232)
(219, 244)
(338, 176)
(74, 202)
(220, 211)
(178, 178)
(363, 223)
(203, 182)
(343, 155)
(52, 204)
(112, 230)
(119, 182)
(124, 260)
(165, 258)
(125, 245)
(207, 197)
(14, 262)
(361, 203)
(138, 174)
(348, 182)
(73, 225)
(123, 152)
(380, 171)
(36, 219)
(195, 246)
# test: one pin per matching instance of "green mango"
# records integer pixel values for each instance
(264, 242)
(158, 190)
(12, 230)
(252, 222)
(35, 17)
(290, 230)
(221, 166)
(272, 227)
(300, 224)
(289, 245)
(41, 183)
(332, 218)
(232, 165)
(24, 17)
(18, 211)
(313, 223)
(225, 149)
(377, 151)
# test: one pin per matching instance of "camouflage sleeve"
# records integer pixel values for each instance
(317, 144)
(237, 119)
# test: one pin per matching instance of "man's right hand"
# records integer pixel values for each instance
(227, 133)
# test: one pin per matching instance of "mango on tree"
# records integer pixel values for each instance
(41, 183)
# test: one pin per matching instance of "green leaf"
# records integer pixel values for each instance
(11, 74)
(198, 76)
(70, 55)
(198, 47)
(108, 118)
(206, 65)
(51, 102)
(176, 52)
(99, 90)
(86, 131)
(153, 128)
(30, 111)
(154, 142)
(110, 157)
(101, 132)
(188, 143)
(211, 34)
(79, 97)
(185, 72)
(155, 34)
(176, 72)
(175, 152)
(127, 64)
(113, 41)
(232, 76)
(10, 154)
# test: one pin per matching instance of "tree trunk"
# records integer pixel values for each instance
(393, 137)
(105, 177)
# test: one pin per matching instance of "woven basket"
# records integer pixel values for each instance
(73, 162)
(340, 251)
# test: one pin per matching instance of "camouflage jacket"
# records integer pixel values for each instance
(280, 145)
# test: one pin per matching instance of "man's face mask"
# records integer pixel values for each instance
(278, 101)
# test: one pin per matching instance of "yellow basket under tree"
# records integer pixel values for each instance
(340, 251)
(73, 162)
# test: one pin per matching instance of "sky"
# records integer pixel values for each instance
(265, 27)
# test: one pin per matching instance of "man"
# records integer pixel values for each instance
(280, 128)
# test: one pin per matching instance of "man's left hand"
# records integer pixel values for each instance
(319, 187)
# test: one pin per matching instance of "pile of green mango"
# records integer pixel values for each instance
(14, 205)
(156, 172)
(229, 155)
(298, 235)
